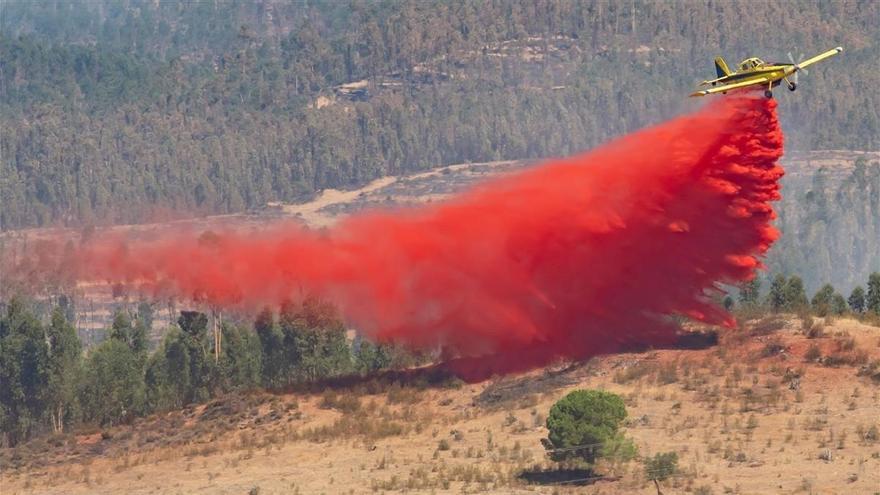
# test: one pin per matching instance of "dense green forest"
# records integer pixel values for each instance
(117, 111)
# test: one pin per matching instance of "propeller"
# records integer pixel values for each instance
(797, 67)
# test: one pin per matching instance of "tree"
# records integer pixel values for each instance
(131, 333)
(145, 315)
(297, 340)
(120, 329)
(139, 342)
(24, 373)
(314, 341)
(272, 344)
(159, 395)
(113, 391)
(661, 467)
(872, 301)
(618, 450)
(241, 359)
(582, 423)
(369, 357)
(182, 370)
(192, 357)
(777, 297)
(749, 292)
(856, 300)
(795, 295)
(838, 304)
(173, 375)
(65, 355)
(822, 300)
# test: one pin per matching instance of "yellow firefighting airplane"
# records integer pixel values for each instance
(755, 72)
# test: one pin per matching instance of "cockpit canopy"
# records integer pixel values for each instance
(750, 63)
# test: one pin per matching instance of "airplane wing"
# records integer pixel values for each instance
(819, 57)
(728, 87)
(710, 81)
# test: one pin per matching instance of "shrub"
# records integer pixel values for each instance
(582, 422)
(773, 348)
(398, 394)
(667, 374)
(813, 353)
(816, 330)
(342, 403)
(328, 400)
(348, 404)
(752, 422)
(846, 343)
(635, 372)
(768, 325)
(661, 467)
(872, 435)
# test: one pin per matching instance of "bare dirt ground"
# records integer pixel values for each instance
(392, 192)
(767, 410)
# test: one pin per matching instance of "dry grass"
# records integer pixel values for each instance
(764, 412)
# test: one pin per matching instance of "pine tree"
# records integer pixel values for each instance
(795, 295)
(857, 300)
(822, 300)
(778, 298)
(581, 423)
(838, 304)
(872, 301)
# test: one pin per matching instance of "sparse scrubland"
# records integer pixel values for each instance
(763, 411)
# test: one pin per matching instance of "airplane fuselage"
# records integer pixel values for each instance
(774, 73)
(755, 72)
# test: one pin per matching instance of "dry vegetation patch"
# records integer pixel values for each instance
(770, 409)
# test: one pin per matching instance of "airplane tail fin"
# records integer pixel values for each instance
(721, 67)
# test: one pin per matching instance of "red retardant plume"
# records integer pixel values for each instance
(570, 259)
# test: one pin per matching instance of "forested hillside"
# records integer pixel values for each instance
(830, 223)
(115, 111)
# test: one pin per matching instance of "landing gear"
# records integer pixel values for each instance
(792, 86)
(768, 93)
